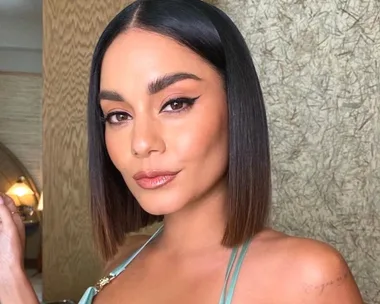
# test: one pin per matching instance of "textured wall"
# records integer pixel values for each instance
(69, 259)
(20, 119)
(20, 129)
(320, 71)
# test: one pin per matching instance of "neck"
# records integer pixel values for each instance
(199, 226)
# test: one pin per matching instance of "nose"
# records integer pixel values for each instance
(146, 138)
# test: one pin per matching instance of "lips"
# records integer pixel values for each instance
(154, 179)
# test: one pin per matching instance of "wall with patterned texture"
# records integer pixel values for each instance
(318, 62)
(21, 121)
(70, 263)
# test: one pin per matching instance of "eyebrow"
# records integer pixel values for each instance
(165, 81)
(154, 87)
(110, 95)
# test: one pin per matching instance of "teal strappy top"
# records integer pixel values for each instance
(229, 285)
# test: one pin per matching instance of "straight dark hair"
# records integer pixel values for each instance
(211, 34)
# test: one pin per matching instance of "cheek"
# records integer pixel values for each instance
(206, 140)
(117, 149)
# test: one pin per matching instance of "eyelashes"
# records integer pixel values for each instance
(116, 117)
(173, 106)
(179, 104)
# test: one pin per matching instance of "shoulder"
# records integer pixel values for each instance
(307, 270)
(131, 244)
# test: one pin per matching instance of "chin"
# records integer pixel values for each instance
(161, 203)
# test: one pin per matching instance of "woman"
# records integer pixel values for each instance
(178, 133)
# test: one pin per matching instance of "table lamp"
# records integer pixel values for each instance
(17, 191)
(20, 188)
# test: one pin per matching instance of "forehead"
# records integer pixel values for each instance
(138, 56)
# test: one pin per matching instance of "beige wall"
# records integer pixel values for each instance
(20, 119)
(319, 66)
(21, 130)
(69, 261)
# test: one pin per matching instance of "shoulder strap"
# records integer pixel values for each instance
(228, 273)
(235, 275)
(226, 297)
(119, 269)
(91, 292)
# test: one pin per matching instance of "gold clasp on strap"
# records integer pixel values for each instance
(103, 282)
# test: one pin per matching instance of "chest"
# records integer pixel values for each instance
(172, 287)
(201, 281)
(165, 282)
(174, 292)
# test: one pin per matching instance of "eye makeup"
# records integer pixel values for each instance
(173, 106)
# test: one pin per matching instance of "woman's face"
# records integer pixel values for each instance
(166, 120)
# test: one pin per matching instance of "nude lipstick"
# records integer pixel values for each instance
(154, 179)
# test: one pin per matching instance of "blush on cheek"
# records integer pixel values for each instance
(206, 139)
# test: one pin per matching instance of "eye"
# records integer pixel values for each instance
(179, 104)
(114, 118)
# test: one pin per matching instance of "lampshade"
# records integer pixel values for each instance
(16, 200)
(20, 188)
(40, 206)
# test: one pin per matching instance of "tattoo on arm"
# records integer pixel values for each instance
(321, 287)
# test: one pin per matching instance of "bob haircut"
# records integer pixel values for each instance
(212, 35)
